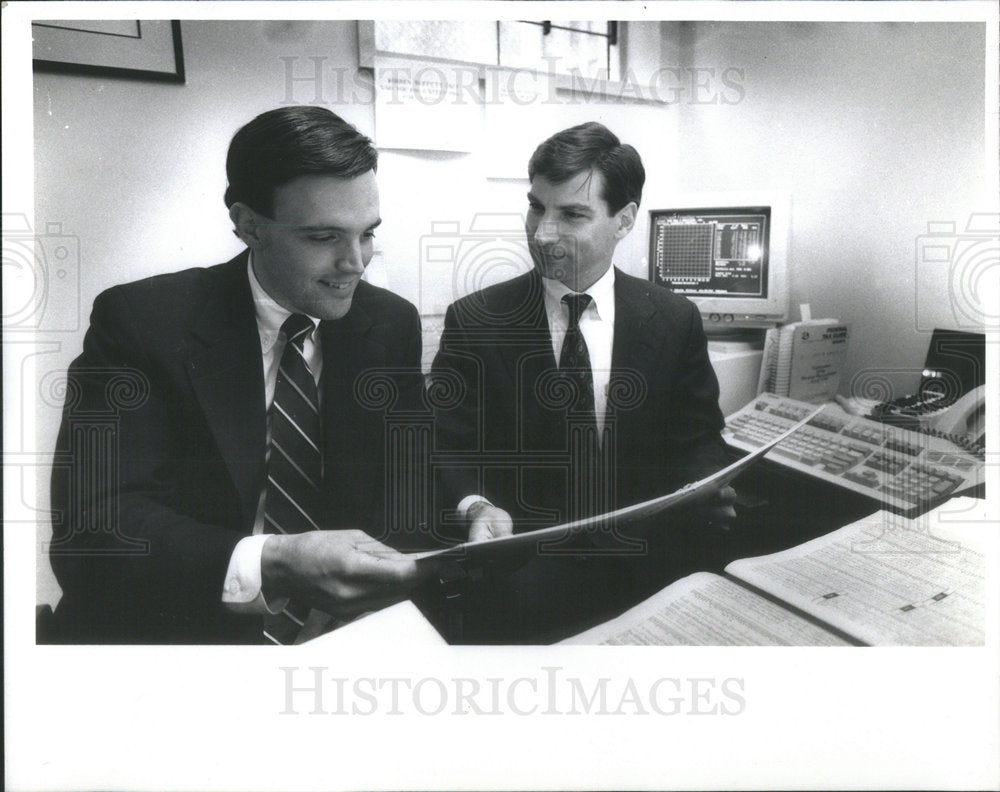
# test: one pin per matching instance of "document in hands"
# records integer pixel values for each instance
(696, 490)
(883, 581)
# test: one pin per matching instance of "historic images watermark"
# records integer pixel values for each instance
(314, 79)
(315, 690)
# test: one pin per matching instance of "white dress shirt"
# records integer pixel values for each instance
(597, 324)
(241, 590)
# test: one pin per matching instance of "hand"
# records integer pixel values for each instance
(486, 521)
(718, 511)
(343, 572)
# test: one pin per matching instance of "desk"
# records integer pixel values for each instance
(550, 598)
(401, 624)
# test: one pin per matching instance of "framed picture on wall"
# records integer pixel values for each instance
(132, 48)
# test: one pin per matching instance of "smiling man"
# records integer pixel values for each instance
(585, 390)
(196, 522)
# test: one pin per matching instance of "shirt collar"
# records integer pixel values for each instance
(270, 315)
(602, 292)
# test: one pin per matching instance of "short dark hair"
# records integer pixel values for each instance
(592, 147)
(283, 144)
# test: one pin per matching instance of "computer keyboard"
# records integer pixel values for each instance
(903, 469)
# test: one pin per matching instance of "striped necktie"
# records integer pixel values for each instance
(295, 463)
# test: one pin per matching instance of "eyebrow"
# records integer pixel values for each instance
(323, 227)
(579, 206)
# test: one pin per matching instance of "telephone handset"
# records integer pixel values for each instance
(963, 423)
(967, 416)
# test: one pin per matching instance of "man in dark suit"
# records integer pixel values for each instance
(584, 390)
(216, 415)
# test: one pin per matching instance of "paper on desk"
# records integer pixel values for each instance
(696, 490)
(889, 580)
(708, 610)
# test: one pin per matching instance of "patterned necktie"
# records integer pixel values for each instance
(294, 464)
(587, 495)
(574, 360)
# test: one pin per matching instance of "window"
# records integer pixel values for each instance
(580, 48)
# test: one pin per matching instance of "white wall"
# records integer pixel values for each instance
(874, 129)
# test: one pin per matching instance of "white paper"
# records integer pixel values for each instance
(708, 610)
(696, 490)
(886, 580)
(403, 621)
(818, 352)
(426, 106)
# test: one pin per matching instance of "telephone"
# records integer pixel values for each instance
(963, 422)
(955, 363)
(967, 416)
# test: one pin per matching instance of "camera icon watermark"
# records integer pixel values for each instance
(454, 263)
(960, 267)
(41, 277)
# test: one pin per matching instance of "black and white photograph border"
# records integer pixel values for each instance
(393, 711)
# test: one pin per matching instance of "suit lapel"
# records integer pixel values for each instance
(524, 342)
(227, 377)
(529, 331)
(347, 405)
(632, 346)
(525, 349)
(635, 347)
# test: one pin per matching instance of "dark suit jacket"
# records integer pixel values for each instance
(160, 457)
(663, 412)
(503, 431)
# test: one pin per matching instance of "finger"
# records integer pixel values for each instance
(382, 566)
(503, 525)
(368, 546)
(349, 600)
(481, 530)
(721, 517)
(349, 608)
(375, 548)
(726, 495)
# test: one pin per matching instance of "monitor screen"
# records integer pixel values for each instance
(728, 257)
(720, 252)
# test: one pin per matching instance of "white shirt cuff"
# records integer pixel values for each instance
(466, 502)
(241, 591)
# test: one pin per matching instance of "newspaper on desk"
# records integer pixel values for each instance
(696, 490)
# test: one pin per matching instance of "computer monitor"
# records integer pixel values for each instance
(955, 365)
(726, 252)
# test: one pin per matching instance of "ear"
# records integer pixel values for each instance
(626, 220)
(245, 224)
